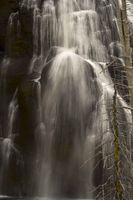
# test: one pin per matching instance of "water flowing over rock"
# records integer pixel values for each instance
(62, 58)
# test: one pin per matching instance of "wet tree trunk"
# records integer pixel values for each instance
(117, 169)
(123, 24)
(125, 40)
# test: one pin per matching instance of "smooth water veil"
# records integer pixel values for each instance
(63, 102)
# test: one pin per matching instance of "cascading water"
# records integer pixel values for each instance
(69, 98)
(61, 100)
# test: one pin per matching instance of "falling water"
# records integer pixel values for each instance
(7, 147)
(64, 144)
(10, 106)
(68, 99)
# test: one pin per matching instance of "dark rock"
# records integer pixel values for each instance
(6, 7)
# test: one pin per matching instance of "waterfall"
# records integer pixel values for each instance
(58, 81)
(69, 98)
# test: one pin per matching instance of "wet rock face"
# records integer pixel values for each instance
(6, 7)
(13, 4)
(20, 43)
(26, 22)
(19, 37)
